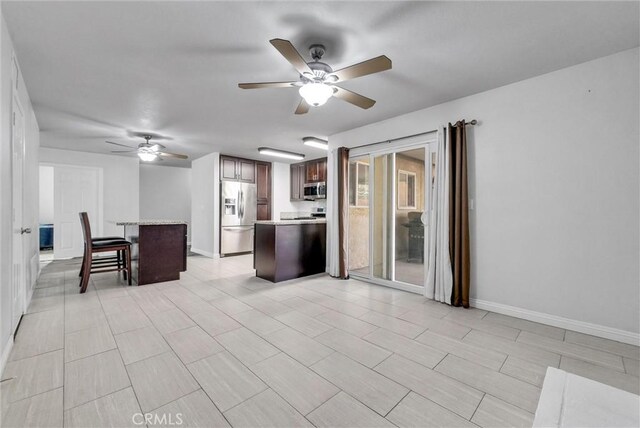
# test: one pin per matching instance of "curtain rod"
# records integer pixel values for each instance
(472, 122)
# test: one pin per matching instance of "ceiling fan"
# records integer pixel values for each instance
(317, 79)
(147, 151)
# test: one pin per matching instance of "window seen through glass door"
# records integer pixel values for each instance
(359, 215)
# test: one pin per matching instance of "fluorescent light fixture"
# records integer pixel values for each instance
(280, 153)
(316, 93)
(316, 142)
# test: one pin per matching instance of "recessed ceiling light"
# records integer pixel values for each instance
(316, 142)
(280, 153)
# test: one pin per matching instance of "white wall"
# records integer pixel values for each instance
(46, 195)
(30, 187)
(165, 194)
(281, 193)
(120, 183)
(553, 169)
(205, 205)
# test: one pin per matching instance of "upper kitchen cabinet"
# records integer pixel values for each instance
(316, 171)
(297, 181)
(237, 169)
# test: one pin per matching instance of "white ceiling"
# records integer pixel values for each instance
(108, 70)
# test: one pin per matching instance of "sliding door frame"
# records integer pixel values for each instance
(428, 142)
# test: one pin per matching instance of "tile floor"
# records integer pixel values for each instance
(409, 272)
(221, 347)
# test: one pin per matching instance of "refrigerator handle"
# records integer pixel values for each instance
(241, 204)
(238, 205)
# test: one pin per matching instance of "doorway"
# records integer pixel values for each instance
(45, 216)
(389, 210)
(66, 191)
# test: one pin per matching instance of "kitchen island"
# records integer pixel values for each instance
(158, 249)
(287, 249)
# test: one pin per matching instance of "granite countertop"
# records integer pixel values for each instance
(289, 222)
(149, 222)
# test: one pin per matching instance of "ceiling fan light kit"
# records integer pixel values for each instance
(317, 80)
(148, 154)
(318, 143)
(280, 153)
(147, 157)
(316, 94)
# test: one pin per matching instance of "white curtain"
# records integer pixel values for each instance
(333, 236)
(439, 276)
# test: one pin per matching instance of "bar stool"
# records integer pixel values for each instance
(119, 257)
(120, 262)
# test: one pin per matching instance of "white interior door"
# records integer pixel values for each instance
(75, 189)
(18, 260)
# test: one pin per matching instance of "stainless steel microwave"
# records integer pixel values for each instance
(313, 191)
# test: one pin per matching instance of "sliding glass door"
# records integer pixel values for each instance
(389, 194)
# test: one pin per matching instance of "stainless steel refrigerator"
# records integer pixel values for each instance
(238, 216)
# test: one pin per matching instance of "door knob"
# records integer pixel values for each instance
(25, 230)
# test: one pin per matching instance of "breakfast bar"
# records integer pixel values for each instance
(158, 250)
(287, 249)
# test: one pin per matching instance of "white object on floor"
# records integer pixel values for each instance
(568, 400)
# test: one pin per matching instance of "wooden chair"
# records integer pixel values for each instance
(120, 262)
(119, 257)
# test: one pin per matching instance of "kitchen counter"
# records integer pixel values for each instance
(288, 249)
(158, 249)
(149, 222)
(293, 221)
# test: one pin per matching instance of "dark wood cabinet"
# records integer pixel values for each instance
(285, 251)
(227, 168)
(298, 176)
(159, 251)
(263, 190)
(237, 169)
(247, 171)
(263, 212)
(314, 171)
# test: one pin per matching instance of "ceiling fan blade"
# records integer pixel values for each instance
(124, 151)
(267, 85)
(291, 54)
(118, 144)
(172, 155)
(303, 107)
(370, 66)
(353, 98)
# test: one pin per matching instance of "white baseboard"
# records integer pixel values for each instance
(556, 321)
(6, 350)
(203, 253)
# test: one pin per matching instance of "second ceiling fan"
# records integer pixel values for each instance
(317, 82)
(147, 151)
